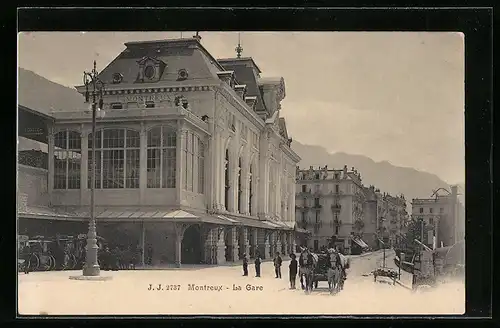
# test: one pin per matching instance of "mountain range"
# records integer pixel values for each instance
(43, 95)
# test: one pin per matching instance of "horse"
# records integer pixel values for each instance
(345, 264)
(307, 263)
(334, 272)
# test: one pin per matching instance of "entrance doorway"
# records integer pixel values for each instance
(191, 246)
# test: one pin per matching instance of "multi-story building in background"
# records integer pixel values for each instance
(330, 203)
(334, 204)
(386, 217)
(444, 216)
(192, 157)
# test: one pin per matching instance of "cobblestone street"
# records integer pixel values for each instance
(128, 293)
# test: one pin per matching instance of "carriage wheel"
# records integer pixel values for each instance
(52, 263)
(72, 262)
(47, 264)
(33, 262)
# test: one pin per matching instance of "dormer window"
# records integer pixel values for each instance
(116, 106)
(149, 71)
(182, 74)
(117, 78)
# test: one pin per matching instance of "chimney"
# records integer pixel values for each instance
(454, 191)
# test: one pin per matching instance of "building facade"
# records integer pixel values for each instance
(444, 213)
(334, 204)
(192, 156)
(330, 202)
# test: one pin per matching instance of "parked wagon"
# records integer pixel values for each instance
(385, 272)
(40, 257)
(22, 263)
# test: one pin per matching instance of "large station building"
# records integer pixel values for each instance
(192, 158)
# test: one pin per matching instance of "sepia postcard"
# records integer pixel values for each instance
(241, 173)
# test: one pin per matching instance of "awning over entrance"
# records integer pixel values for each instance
(281, 225)
(300, 230)
(30, 212)
(165, 216)
(218, 219)
(255, 223)
(360, 242)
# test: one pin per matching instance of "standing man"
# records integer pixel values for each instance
(277, 265)
(245, 265)
(257, 264)
(292, 271)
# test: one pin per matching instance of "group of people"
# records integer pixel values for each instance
(120, 258)
(278, 261)
(336, 262)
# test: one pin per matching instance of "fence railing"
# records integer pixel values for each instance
(33, 158)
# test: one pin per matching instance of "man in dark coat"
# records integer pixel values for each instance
(257, 264)
(245, 265)
(292, 271)
(277, 265)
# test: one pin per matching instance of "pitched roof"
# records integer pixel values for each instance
(176, 54)
(244, 74)
(39, 94)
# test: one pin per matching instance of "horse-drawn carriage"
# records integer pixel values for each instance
(327, 266)
(60, 253)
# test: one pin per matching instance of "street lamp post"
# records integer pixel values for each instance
(91, 267)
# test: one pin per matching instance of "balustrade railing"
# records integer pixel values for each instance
(33, 158)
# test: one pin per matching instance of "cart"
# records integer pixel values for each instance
(21, 259)
(385, 272)
(40, 258)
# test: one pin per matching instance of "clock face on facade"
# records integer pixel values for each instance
(149, 71)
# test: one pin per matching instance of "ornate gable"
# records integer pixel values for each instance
(273, 90)
(150, 69)
(283, 130)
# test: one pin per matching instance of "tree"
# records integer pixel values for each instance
(415, 232)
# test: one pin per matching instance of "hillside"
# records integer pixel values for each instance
(42, 95)
(383, 175)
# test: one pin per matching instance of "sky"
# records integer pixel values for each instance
(391, 96)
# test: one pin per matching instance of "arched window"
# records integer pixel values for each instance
(189, 141)
(250, 191)
(67, 159)
(117, 159)
(201, 166)
(240, 200)
(226, 180)
(161, 162)
(271, 199)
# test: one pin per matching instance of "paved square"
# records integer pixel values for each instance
(223, 290)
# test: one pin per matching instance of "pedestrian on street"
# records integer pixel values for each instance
(245, 265)
(257, 264)
(292, 270)
(277, 265)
